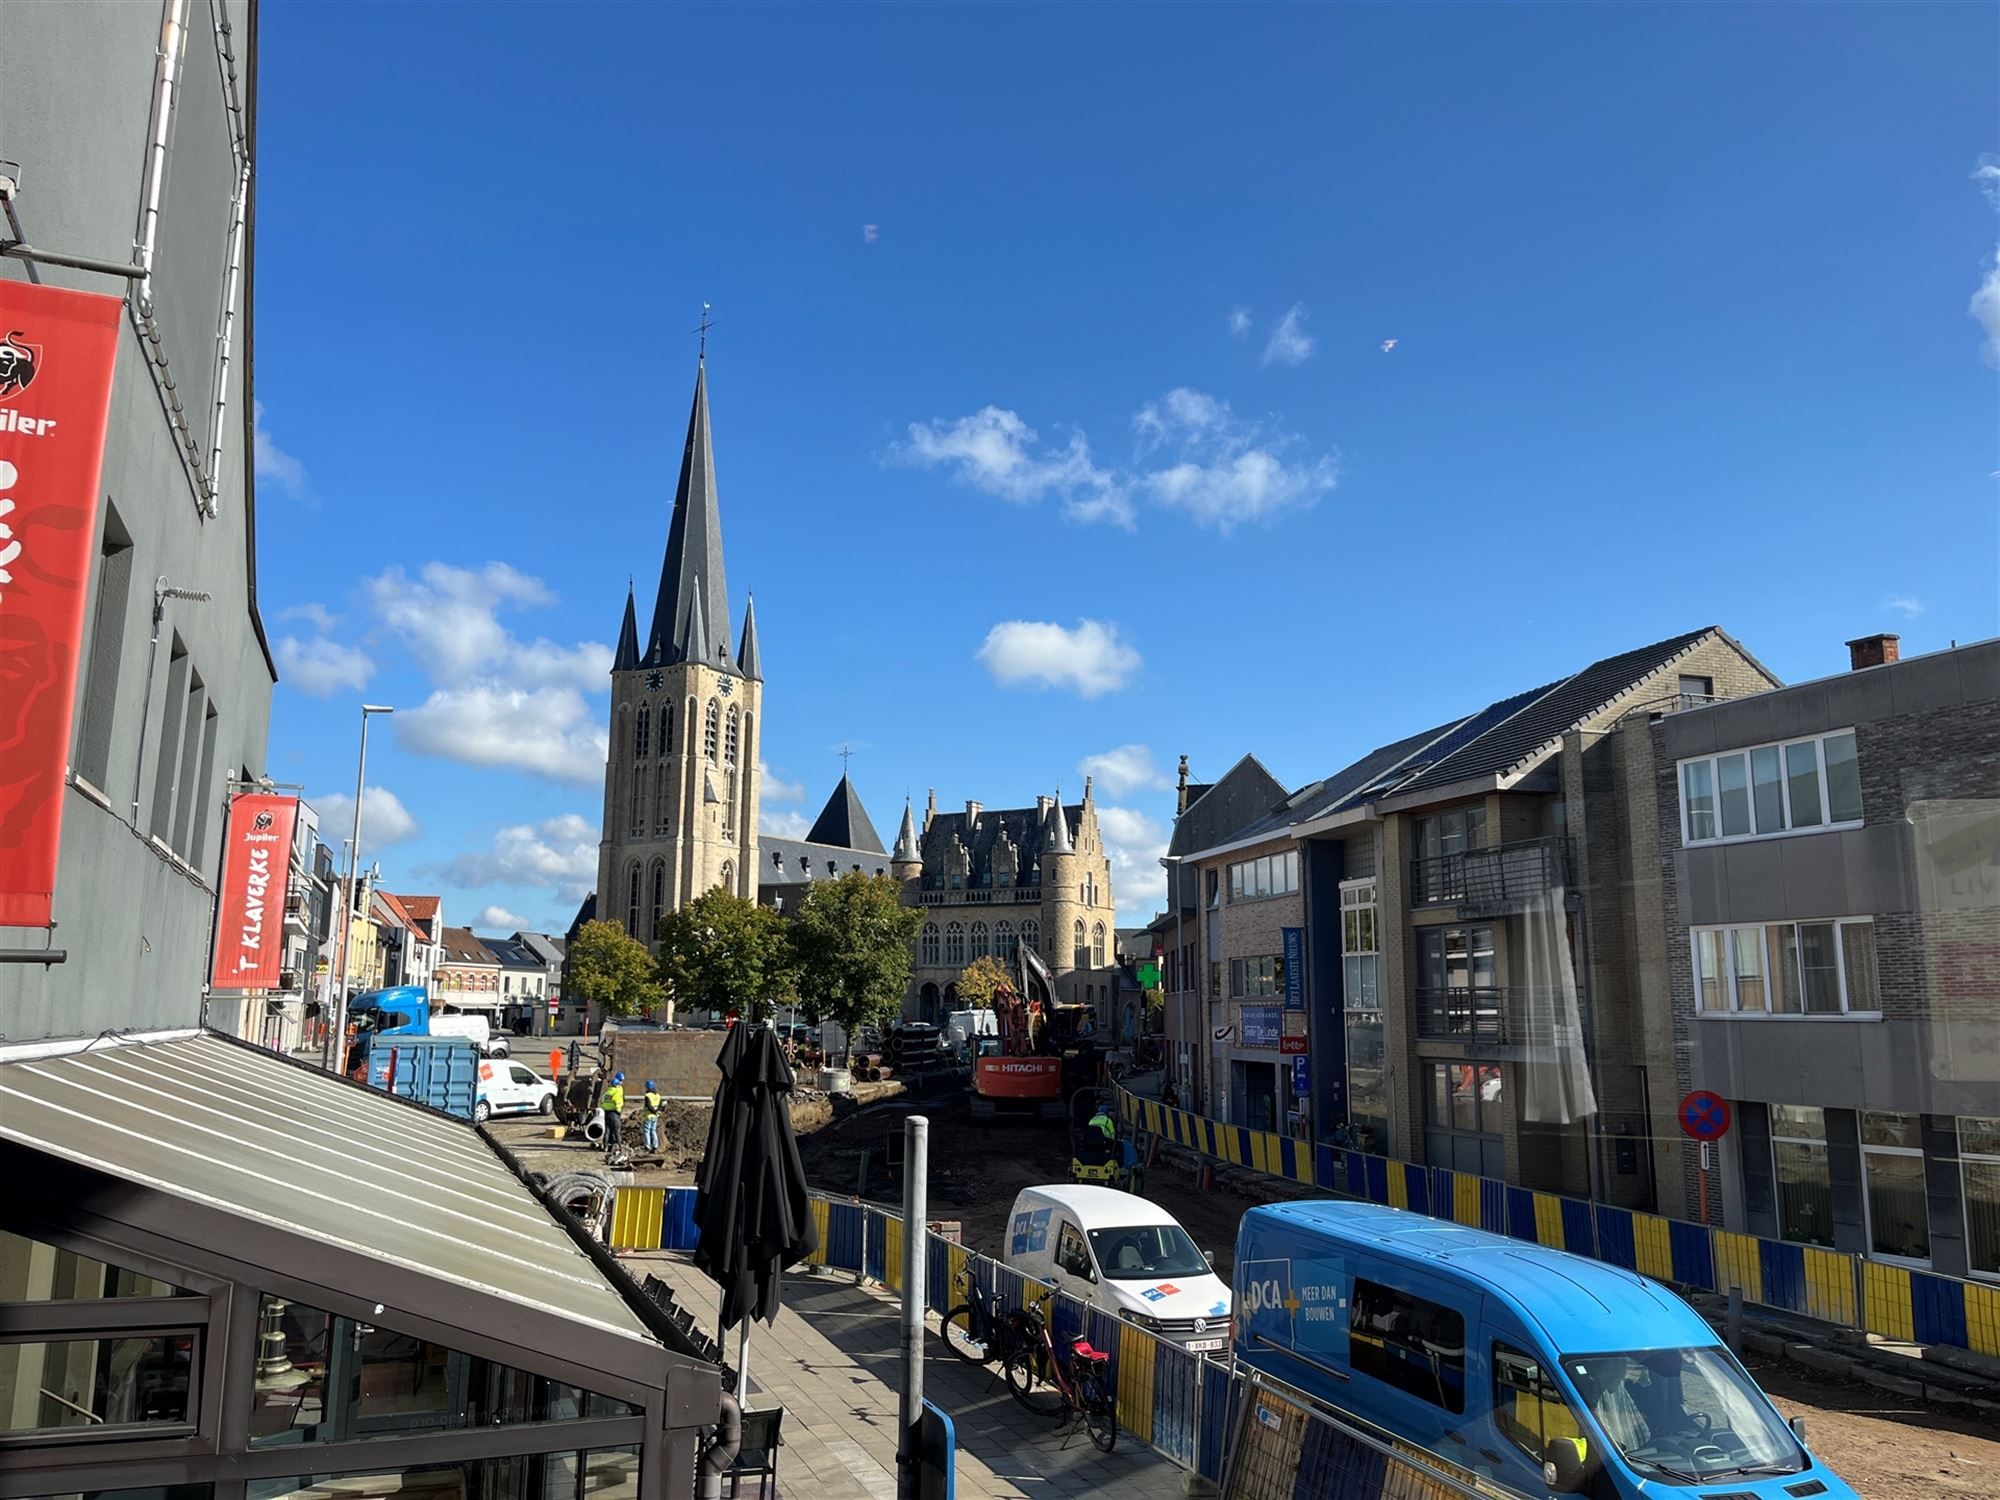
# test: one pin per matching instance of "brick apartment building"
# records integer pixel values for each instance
(1828, 862)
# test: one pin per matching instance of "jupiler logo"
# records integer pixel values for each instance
(262, 822)
(19, 362)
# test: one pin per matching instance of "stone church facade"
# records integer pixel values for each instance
(991, 880)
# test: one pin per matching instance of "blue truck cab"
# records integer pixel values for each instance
(1541, 1370)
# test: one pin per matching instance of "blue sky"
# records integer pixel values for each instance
(1055, 412)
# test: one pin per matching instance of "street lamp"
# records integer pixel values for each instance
(336, 1053)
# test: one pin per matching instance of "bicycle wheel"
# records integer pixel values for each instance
(1029, 1384)
(956, 1329)
(1100, 1412)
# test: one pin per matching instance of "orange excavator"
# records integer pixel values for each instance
(1043, 1053)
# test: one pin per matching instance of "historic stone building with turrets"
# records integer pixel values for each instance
(991, 880)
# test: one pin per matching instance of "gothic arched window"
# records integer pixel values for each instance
(927, 944)
(1097, 946)
(979, 940)
(638, 810)
(729, 799)
(1003, 941)
(728, 881)
(640, 726)
(632, 901)
(660, 786)
(666, 729)
(1080, 955)
(735, 740)
(711, 728)
(1031, 934)
(954, 943)
(659, 899)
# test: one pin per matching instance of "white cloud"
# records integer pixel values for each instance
(384, 819)
(318, 616)
(1909, 605)
(558, 854)
(450, 619)
(1289, 344)
(1125, 769)
(321, 667)
(783, 823)
(504, 920)
(1090, 660)
(1987, 175)
(993, 450)
(1134, 843)
(1239, 322)
(1226, 470)
(1985, 306)
(549, 731)
(870, 233)
(272, 464)
(774, 788)
(1388, 344)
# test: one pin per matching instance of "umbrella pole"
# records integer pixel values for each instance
(743, 1363)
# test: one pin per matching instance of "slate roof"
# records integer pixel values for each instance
(1534, 720)
(586, 912)
(514, 954)
(463, 946)
(799, 862)
(1026, 826)
(627, 656)
(844, 824)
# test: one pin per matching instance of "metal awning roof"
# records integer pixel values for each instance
(219, 1123)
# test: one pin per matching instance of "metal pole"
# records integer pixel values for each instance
(335, 1053)
(916, 1213)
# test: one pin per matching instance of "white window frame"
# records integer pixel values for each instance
(1981, 1158)
(1867, 1196)
(1359, 895)
(1734, 1012)
(1264, 877)
(1826, 823)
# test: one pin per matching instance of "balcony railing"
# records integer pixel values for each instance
(1491, 882)
(1499, 1015)
(983, 895)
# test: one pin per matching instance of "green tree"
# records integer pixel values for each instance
(851, 945)
(613, 971)
(980, 980)
(722, 953)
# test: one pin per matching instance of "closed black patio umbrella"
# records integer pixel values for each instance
(752, 1211)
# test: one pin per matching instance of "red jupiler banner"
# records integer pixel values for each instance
(57, 352)
(256, 871)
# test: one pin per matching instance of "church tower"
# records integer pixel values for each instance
(680, 782)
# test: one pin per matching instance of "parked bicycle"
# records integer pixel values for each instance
(1075, 1385)
(978, 1330)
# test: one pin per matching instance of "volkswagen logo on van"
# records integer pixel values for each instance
(1201, 1325)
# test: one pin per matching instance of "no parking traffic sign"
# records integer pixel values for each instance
(1705, 1116)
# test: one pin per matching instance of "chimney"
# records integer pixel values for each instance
(1041, 810)
(1874, 651)
(972, 812)
(1181, 804)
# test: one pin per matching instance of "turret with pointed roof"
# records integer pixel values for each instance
(908, 851)
(844, 822)
(627, 656)
(748, 662)
(693, 591)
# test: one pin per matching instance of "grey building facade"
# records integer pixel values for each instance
(1831, 881)
(107, 108)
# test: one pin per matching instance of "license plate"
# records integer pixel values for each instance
(1204, 1346)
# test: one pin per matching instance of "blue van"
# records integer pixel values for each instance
(1540, 1370)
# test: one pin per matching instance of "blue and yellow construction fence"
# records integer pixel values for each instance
(1849, 1290)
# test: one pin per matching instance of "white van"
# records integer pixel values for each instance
(1123, 1254)
(476, 1029)
(963, 1025)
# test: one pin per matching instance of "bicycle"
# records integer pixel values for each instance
(1080, 1383)
(978, 1330)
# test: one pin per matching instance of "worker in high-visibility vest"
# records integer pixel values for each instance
(649, 1122)
(612, 1101)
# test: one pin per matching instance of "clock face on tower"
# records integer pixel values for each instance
(728, 686)
(653, 680)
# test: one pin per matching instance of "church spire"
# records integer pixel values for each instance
(906, 838)
(693, 566)
(747, 660)
(1059, 841)
(628, 638)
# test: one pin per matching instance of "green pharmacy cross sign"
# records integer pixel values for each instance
(1149, 976)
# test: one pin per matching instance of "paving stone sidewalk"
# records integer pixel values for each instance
(833, 1362)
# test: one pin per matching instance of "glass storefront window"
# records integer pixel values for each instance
(593, 1474)
(1979, 1168)
(323, 1379)
(31, 1271)
(118, 1382)
(1367, 1081)
(1805, 1191)
(1892, 1150)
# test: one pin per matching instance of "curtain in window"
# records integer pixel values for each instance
(1555, 1079)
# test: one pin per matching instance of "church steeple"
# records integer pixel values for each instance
(691, 575)
(747, 660)
(628, 638)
